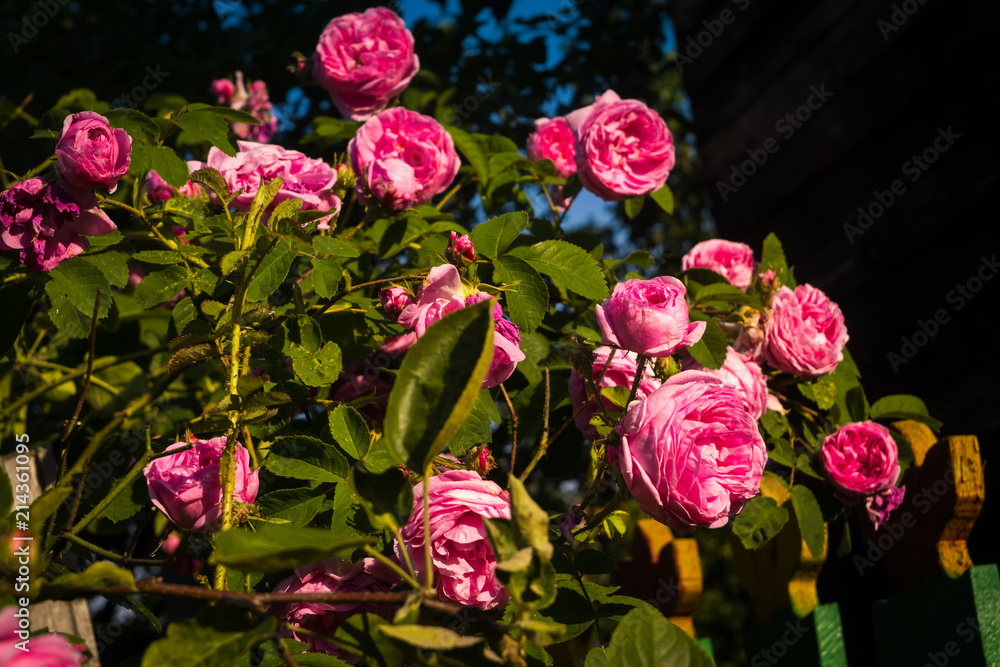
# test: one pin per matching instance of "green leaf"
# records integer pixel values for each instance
(328, 131)
(326, 275)
(810, 519)
(272, 271)
(273, 548)
(645, 638)
(80, 584)
(137, 124)
(726, 293)
(473, 152)
(350, 431)
(319, 368)
(297, 506)
(530, 520)
(326, 245)
(217, 637)
(208, 126)
(597, 657)
(525, 291)
(226, 113)
(492, 238)
(665, 198)
(168, 164)
(710, 350)
(304, 457)
(132, 499)
(161, 286)
(429, 637)
(773, 258)
(111, 263)
(64, 314)
(569, 267)
(213, 180)
(477, 427)
(18, 300)
(438, 383)
(825, 392)
(633, 205)
(903, 406)
(184, 313)
(80, 280)
(761, 519)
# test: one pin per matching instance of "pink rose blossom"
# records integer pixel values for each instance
(883, 504)
(48, 650)
(460, 246)
(620, 373)
(256, 102)
(365, 60)
(690, 452)
(767, 278)
(805, 334)
(403, 158)
(185, 486)
(46, 223)
(861, 459)
(732, 260)
(553, 140)
(394, 300)
(742, 373)
(90, 153)
(157, 189)
(462, 557)
(256, 164)
(623, 148)
(649, 317)
(223, 90)
(333, 575)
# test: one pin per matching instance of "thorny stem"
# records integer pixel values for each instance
(513, 430)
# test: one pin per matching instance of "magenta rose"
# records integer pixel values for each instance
(365, 60)
(403, 158)
(461, 555)
(690, 452)
(620, 373)
(394, 300)
(742, 373)
(305, 178)
(90, 153)
(553, 140)
(805, 335)
(185, 486)
(256, 102)
(333, 575)
(732, 260)
(861, 459)
(649, 317)
(460, 247)
(623, 148)
(49, 650)
(881, 505)
(46, 223)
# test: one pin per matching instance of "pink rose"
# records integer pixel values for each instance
(620, 373)
(333, 575)
(365, 60)
(49, 650)
(742, 373)
(623, 148)
(690, 452)
(46, 223)
(305, 178)
(506, 352)
(805, 335)
(394, 300)
(463, 560)
(881, 505)
(223, 90)
(649, 317)
(732, 260)
(256, 102)
(553, 139)
(403, 157)
(185, 486)
(861, 459)
(460, 246)
(158, 189)
(90, 153)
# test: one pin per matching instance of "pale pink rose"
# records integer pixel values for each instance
(403, 158)
(553, 139)
(394, 300)
(460, 246)
(861, 459)
(620, 373)
(90, 153)
(48, 650)
(623, 148)
(256, 164)
(690, 452)
(805, 334)
(649, 317)
(733, 261)
(256, 102)
(185, 486)
(742, 373)
(46, 223)
(365, 60)
(881, 505)
(333, 575)
(461, 555)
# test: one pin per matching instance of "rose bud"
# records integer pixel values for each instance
(553, 140)
(90, 153)
(733, 261)
(460, 246)
(861, 459)
(805, 334)
(394, 300)
(649, 317)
